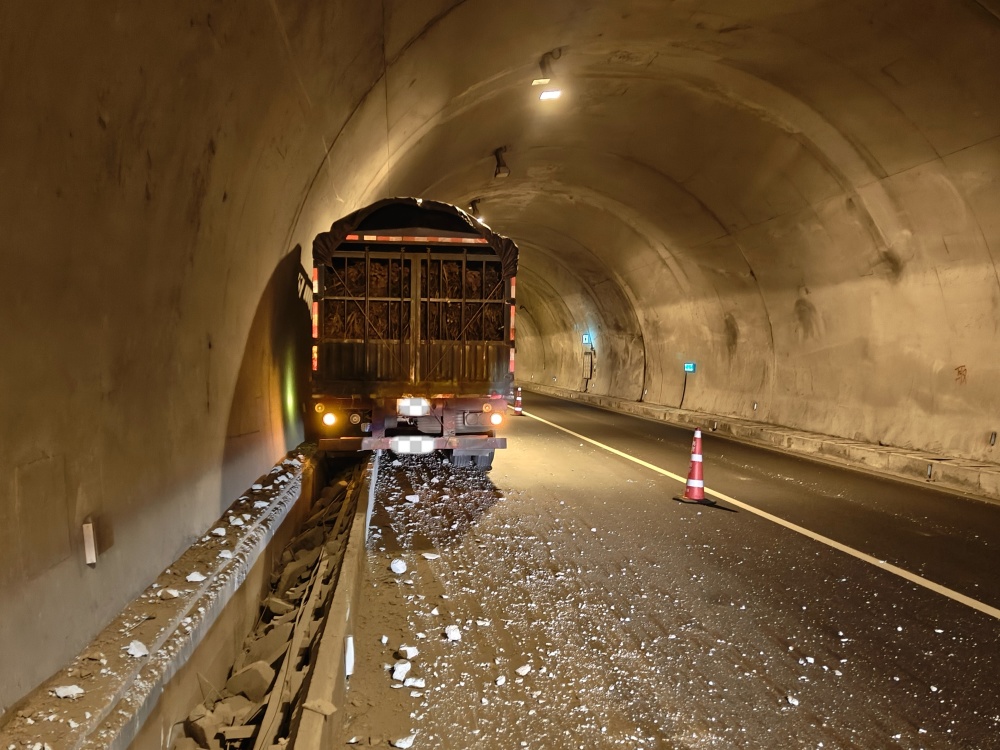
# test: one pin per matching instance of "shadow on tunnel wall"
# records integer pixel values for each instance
(265, 416)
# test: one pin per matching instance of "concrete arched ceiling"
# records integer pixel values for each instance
(800, 195)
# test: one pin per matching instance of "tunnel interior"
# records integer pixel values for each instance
(800, 196)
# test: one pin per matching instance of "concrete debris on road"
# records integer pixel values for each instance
(397, 566)
(400, 669)
(68, 691)
(452, 633)
(137, 649)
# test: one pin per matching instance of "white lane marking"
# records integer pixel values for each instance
(880, 564)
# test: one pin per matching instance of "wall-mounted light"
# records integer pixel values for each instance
(502, 170)
(550, 89)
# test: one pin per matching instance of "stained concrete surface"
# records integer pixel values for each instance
(800, 195)
(650, 623)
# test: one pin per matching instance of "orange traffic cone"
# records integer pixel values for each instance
(517, 403)
(694, 491)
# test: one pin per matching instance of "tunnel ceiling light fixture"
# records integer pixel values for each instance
(474, 210)
(547, 80)
(502, 170)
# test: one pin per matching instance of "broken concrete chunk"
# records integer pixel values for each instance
(408, 652)
(523, 669)
(397, 566)
(68, 691)
(309, 557)
(501, 680)
(416, 682)
(268, 648)
(278, 606)
(233, 710)
(169, 593)
(413, 498)
(226, 554)
(219, 531)
(400, 669)
(253, 681)
(453, 633)
(257, 487)
(236, 521)
(259, 504)
(310, 539)
(137, 649)
(202, 726)
(195, 577)
(404, 742)
(291, 575)
(431, 555)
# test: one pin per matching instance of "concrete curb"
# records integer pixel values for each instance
(949, 473)
(132, 695)
(328, 677)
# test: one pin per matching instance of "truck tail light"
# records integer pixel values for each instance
(496, 418)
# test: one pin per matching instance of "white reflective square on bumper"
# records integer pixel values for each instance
(412, 444)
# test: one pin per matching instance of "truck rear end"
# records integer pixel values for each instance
(413, 328)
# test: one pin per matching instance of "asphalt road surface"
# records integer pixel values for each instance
(813, 607)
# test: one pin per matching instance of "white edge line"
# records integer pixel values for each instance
(880, 564)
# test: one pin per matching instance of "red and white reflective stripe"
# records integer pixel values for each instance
(513, 287)
(416, 240)
(315, 362)
(696, 483)
(315, 317)
(511, 360)
(696, 457)
(513, 314)
(315, 280)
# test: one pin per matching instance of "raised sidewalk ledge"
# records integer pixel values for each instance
(976, 478)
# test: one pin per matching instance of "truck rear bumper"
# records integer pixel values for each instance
(412, 444)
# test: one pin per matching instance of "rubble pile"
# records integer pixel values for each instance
(257, 705)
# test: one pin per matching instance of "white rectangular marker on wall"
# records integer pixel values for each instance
(89, 542)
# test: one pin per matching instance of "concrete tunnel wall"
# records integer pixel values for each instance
(799, 195)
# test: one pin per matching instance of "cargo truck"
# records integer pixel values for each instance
(413, 332)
